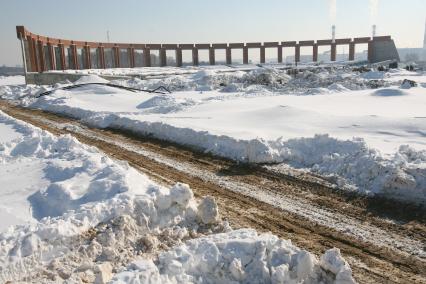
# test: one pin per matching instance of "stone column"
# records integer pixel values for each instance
(352, 51)
(315, 53)
(195, 56)
(262, 54)
(178, 57)
(228, 55)
(212, 59)
(333, 52)
(163, 57)
(42, 61)
(297, 53)
(280, 54)
(147, 55)
(245, 55)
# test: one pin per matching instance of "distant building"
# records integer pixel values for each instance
(414, 54)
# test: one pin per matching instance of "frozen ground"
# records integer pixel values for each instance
(80, 216)
(364, 131)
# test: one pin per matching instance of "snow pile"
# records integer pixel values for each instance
(92, 216)
(12, 80)
(240, 256)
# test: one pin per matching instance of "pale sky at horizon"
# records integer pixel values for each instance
(202, 21)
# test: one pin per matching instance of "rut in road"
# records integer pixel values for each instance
(383, 241)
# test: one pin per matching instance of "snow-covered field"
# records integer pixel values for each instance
(69, 212)
(364, 131)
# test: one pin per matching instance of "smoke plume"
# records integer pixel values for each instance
(374, 10)
(332, 10)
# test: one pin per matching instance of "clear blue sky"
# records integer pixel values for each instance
(190, 21)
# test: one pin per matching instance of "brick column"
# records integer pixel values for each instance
(87, 57)
(33, 55)
(228, 55)
(352, 51)
(280, 54)
(42, 61)
(62, 56)
(74, 58)
(116, 52)
(212, 59)
(163, 57)
(297, 53)
(333, 52)
(131, 53)
(147, 55)
(101, 55)
(195, 56)
(178, 57)
(315, 53)
(51, 50)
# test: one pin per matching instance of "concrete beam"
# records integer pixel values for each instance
(186, 46)
(62, 62)
(101, 54)
(116, 52)
(271, 44)
(382, 38)
(87, 60)
(341, 41)
(51, 56)
(324, 42)
(306, 43)
(236, 45)
(220, 45)
(202, 46)
(253, 44)
(288, 43)
(362, 40)
(169, 46)
(42, 61)
(153, 46)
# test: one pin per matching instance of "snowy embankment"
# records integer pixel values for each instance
(330, 122)
(80, 216)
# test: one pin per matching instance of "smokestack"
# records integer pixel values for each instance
(333, 34)
(374, 30)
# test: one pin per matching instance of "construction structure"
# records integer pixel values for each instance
(42, 53)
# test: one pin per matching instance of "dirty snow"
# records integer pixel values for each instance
(81, 216)
(362, 130)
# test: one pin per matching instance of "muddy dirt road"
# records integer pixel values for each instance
(384, 241)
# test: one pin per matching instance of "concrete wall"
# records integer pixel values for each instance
(383, 50)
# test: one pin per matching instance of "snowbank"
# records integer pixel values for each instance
(241, 256)
(93, 215)
(310, 120)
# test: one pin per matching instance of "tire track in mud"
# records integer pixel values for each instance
(294, 208)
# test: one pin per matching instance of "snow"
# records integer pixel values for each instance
(362, 130)
(242, 256)
(12, 80)
(81, 216)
